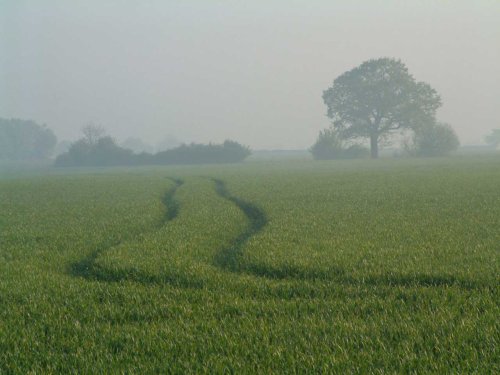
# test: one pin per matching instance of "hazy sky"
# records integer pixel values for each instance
(253, 71)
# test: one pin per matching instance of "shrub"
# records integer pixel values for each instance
(227, 152)
(105, 152)
(434, 139)
(331, 145)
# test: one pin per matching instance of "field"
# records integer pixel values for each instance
(389, 266)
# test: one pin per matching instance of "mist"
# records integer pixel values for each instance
(251, 71)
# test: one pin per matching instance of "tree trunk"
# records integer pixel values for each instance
(374, 146)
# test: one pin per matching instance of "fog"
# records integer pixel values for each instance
(253, 71)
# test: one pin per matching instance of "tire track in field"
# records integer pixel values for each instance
(227, 258)
(87, 269)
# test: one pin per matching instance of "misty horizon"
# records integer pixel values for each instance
(206, 72)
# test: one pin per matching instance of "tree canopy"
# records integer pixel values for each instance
(25, 140)
(377, 98)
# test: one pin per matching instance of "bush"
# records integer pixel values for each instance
(435, 139)
(228, 152)
(105, 152)
(331, 145)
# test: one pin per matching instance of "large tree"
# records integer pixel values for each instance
(377, 98)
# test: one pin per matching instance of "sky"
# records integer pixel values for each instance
(252, 71)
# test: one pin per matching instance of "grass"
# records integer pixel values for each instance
(369, 267)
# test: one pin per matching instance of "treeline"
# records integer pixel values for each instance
(95, 150)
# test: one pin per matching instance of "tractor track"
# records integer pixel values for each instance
(86, 268)
(229, 258)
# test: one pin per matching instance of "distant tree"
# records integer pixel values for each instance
(235, 151)
(77, 154)
(107, 152)
(377, 98)
(94, 149)
(493, 139)
(92, 133)
(25, 140)
(434, 139)
(331, 145)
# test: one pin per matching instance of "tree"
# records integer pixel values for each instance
(25, 140)
(92, 133)
(494, 138)
(94, 149)
(330, 145)
(377, 98)
(434, 139)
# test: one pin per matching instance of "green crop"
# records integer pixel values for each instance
(304, 267)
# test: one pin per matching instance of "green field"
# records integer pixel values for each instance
(388, 266)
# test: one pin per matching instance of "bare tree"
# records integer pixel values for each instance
(92, 133)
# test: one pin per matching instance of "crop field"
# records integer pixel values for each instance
(389, 266)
